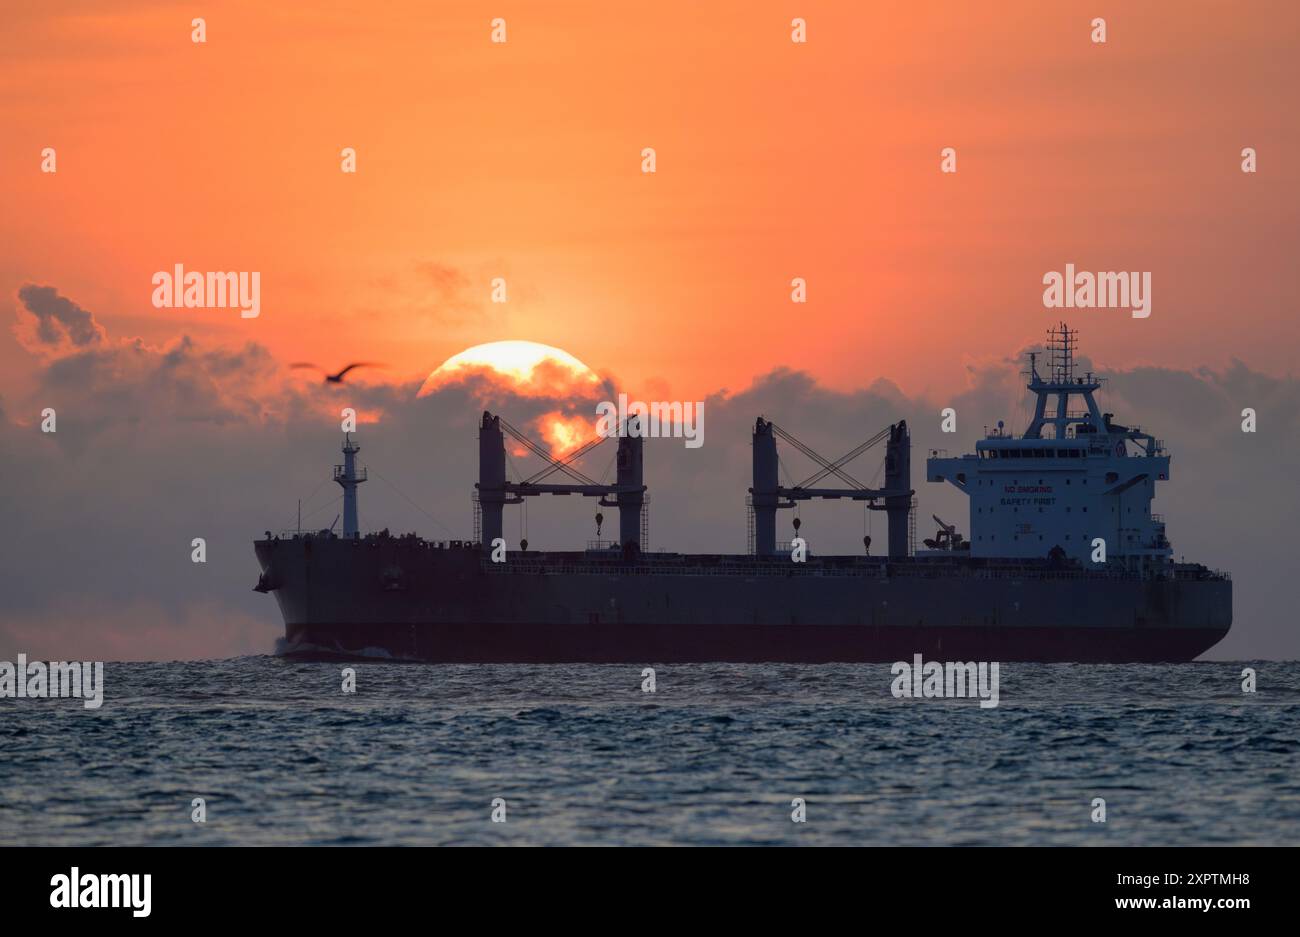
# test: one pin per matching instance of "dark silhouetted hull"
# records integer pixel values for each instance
(409, 599)
(675, 644)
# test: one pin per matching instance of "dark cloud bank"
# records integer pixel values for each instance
(158, 446)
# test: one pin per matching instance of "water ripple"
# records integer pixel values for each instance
(718, 755)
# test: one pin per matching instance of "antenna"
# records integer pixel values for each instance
(1032, 373)
(1060, 348)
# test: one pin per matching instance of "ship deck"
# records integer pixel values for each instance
(664, 563)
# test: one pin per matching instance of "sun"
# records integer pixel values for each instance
(529, 369)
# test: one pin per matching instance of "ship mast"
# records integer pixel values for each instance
(348, 477)
(1062, 385)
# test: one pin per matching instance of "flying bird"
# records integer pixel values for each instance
(336, 378)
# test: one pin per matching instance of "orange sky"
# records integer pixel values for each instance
(775, 160)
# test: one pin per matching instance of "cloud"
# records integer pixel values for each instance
(98, 384)
(48, 321)
(101, 389)
(447, 281)
(449, 297)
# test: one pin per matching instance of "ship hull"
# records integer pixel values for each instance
(406, 599)
(512, 643)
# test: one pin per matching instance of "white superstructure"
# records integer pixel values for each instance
(1073, 477)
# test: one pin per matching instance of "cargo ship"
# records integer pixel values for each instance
(1065, 561)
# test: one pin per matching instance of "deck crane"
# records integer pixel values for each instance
(494, 491)
(768, 495)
